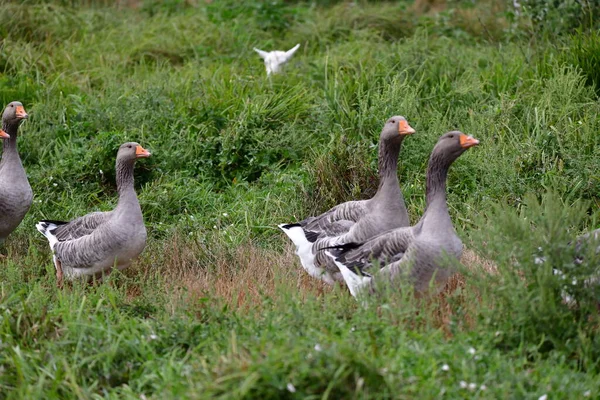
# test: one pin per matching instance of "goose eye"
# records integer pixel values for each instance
(12, 105)
(393, 121)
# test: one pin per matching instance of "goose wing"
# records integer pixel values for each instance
(350, 211)
(86, 251)
(78, 227)
(383, 249)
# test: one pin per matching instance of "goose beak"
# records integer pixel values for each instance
(4, 135)
(141, 152)
(404, 128)
(468, 141)
(20, 112)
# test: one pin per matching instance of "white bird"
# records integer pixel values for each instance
(274, 60)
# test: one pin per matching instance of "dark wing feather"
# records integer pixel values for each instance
(382, 249)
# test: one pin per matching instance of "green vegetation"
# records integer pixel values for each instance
(217, 305)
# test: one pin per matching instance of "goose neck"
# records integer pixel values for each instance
(436, 208)
(125, 180)
(10, 145)
(388, 164)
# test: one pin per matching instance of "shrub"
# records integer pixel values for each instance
(541, 299)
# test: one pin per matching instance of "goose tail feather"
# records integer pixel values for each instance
(354, 281)
(47, 228)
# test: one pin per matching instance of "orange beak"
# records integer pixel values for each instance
(21, 114)
(4, 135)
(404, 128)
(141, 152)
(468, 141)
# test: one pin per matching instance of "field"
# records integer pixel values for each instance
(218, 306)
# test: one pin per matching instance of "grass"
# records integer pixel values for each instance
(217, 305)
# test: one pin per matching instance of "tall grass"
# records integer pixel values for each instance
(217, 305)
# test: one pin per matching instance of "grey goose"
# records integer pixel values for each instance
(356, 220)
(91, 245)
(15, 192)
(416, 253)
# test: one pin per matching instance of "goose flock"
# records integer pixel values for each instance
(362, 244)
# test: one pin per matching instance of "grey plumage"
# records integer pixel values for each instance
(417, 253)
(15, 192)
(93, 244)
(358, 220)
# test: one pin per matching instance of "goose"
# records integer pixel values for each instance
(91, 245)
(15, 192)
(356, 220)
(419, 252)
(274, 60)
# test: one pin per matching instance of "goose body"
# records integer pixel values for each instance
(355, 220)
(16, 195)
(274, 60)
(93, 244)
(418, 253)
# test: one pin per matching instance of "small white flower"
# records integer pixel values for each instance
(101, 173)
(543, 397)
(482, 387)
(55, 184)
(225, 214)
(587, 393)
(318, 347)
(291, 388)
(498, 333)
(462, 384)
(445, 367)
(214, 227)
(50, 178)
(471, 351)
(153, 337)
(472, 386)
(359, 383)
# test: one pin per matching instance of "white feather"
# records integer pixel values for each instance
(354, 282)
(45, 228)
(304, 251)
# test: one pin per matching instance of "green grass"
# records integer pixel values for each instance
(217, 305)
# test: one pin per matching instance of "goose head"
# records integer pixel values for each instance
(131, 151)
(396, 129)
(14, 113)
(452, 144)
